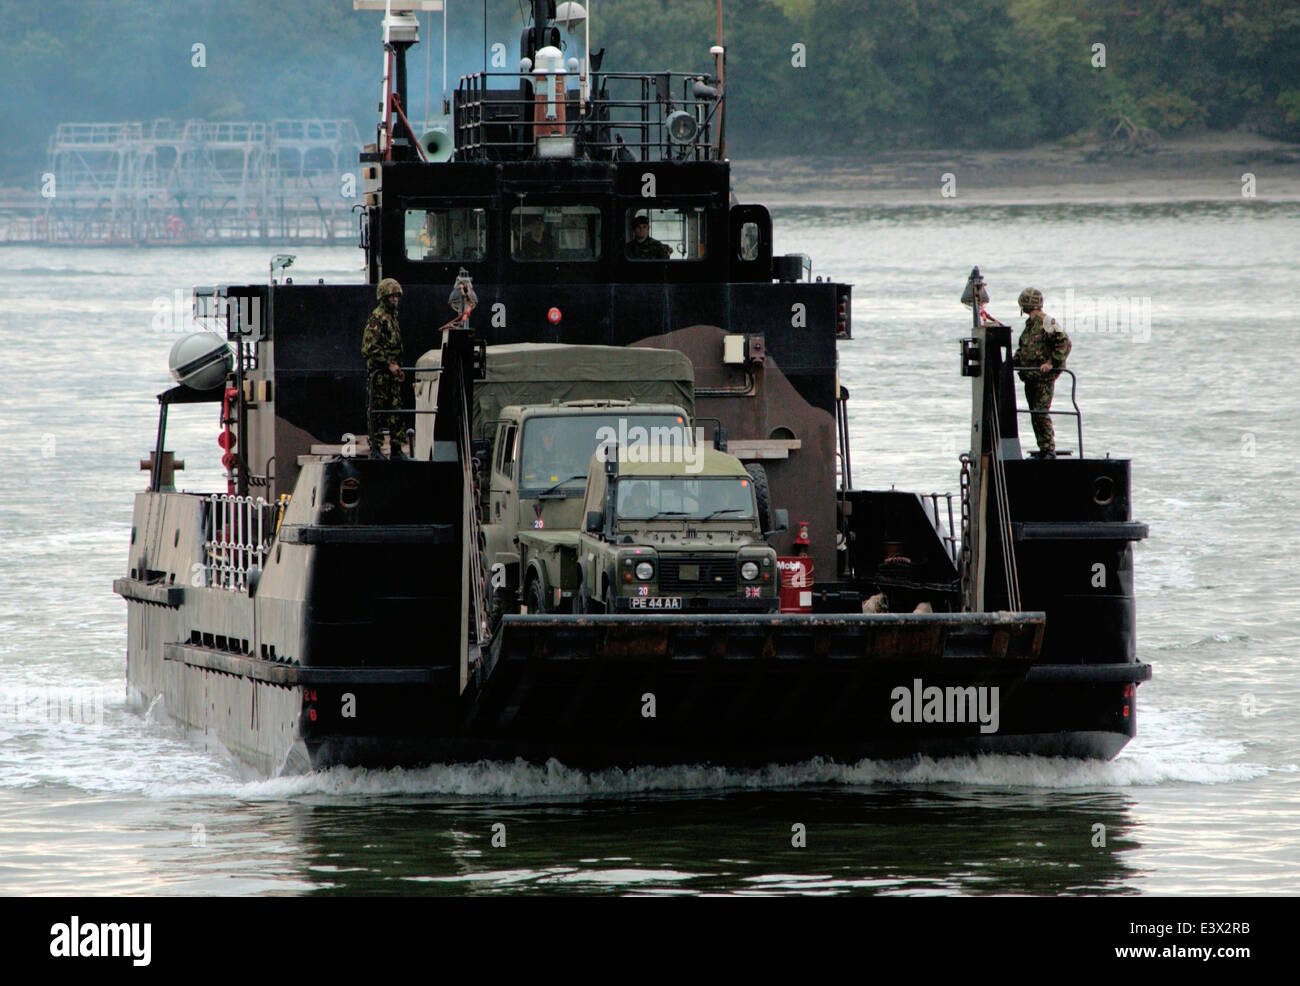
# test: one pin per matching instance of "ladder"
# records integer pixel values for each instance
(477, 574)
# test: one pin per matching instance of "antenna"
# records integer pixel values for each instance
(720, 70)
(573, 15)
(401, 28)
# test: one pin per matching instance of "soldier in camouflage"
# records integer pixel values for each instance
(381, 348)
(643, 246)
(1041, 354)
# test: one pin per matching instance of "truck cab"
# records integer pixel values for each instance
(673, 536)
(538, 475)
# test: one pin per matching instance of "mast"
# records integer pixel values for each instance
(994, 438)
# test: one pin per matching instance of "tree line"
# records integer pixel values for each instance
(805, 76)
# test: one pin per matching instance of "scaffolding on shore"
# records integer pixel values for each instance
(195, 182)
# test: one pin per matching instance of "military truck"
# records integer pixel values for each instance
(540, 410)
(668, 536)
(538, 477)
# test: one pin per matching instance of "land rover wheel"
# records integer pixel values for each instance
(533, 597)
(504, 601)
(759, 475)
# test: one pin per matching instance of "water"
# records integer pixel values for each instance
(1205, 800)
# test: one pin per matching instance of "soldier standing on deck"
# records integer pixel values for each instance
(1041, 353)
(381, 348)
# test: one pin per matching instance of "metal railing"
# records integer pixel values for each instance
(371, 410)
(1076, 414)
(239, 531)
(951, 541)
(630, 124)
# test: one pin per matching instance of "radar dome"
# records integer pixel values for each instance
(200, 361)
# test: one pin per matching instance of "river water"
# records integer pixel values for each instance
(1197, 386)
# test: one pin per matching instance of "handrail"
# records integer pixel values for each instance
(1076, 413)
(239, 534)
(950, 539)
(370, 396)
(598, 128)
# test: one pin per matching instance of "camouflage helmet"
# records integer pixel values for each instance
(1031, 299)
(387, 287)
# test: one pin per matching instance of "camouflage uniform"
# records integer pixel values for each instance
(1043, 341)
(381, 344)
(648, 249)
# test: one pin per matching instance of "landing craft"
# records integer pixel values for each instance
(331, 608)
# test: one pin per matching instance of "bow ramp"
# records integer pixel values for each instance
(756, 687)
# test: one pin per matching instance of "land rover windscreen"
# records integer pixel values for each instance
(684, 498)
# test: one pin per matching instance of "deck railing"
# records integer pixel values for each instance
(239, 531)
(626, 118)
(1076, 414)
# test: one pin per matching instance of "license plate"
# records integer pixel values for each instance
(656, 602)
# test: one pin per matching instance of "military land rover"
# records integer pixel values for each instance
(667, 536)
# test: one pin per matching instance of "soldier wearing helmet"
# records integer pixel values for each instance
(1041, 356)
(381, 348)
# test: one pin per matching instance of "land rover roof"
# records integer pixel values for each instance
(713, 464)
(570, 408)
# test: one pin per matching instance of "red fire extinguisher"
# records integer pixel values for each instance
(797, 574)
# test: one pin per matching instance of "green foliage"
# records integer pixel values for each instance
(978, 73)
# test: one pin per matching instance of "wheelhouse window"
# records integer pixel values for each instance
(665, 234)
(454, 234)
(555, 232)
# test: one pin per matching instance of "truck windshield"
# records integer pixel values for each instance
(556, 448)
(684, 497)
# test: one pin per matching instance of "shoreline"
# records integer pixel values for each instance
(1207, 167)
(1200, 168)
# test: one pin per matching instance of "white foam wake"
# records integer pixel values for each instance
(1178, 752)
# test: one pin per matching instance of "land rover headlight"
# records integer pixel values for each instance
(749, 571)
(645, 571)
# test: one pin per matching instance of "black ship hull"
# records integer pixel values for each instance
(598, 692)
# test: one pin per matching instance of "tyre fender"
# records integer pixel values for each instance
(538, 573)
(761, 493)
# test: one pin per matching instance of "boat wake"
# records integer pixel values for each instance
(1176, 749)
(151, 755)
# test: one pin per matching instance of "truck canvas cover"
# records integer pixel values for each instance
(540, 372)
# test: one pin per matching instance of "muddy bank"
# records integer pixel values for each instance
(1207, 167)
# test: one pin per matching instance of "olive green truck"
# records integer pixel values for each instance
(540, 412)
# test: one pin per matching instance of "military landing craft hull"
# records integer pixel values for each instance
(330, 608)
(605, 691)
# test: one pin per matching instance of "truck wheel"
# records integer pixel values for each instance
(503, 601)
(533, 598)
(759, 475)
